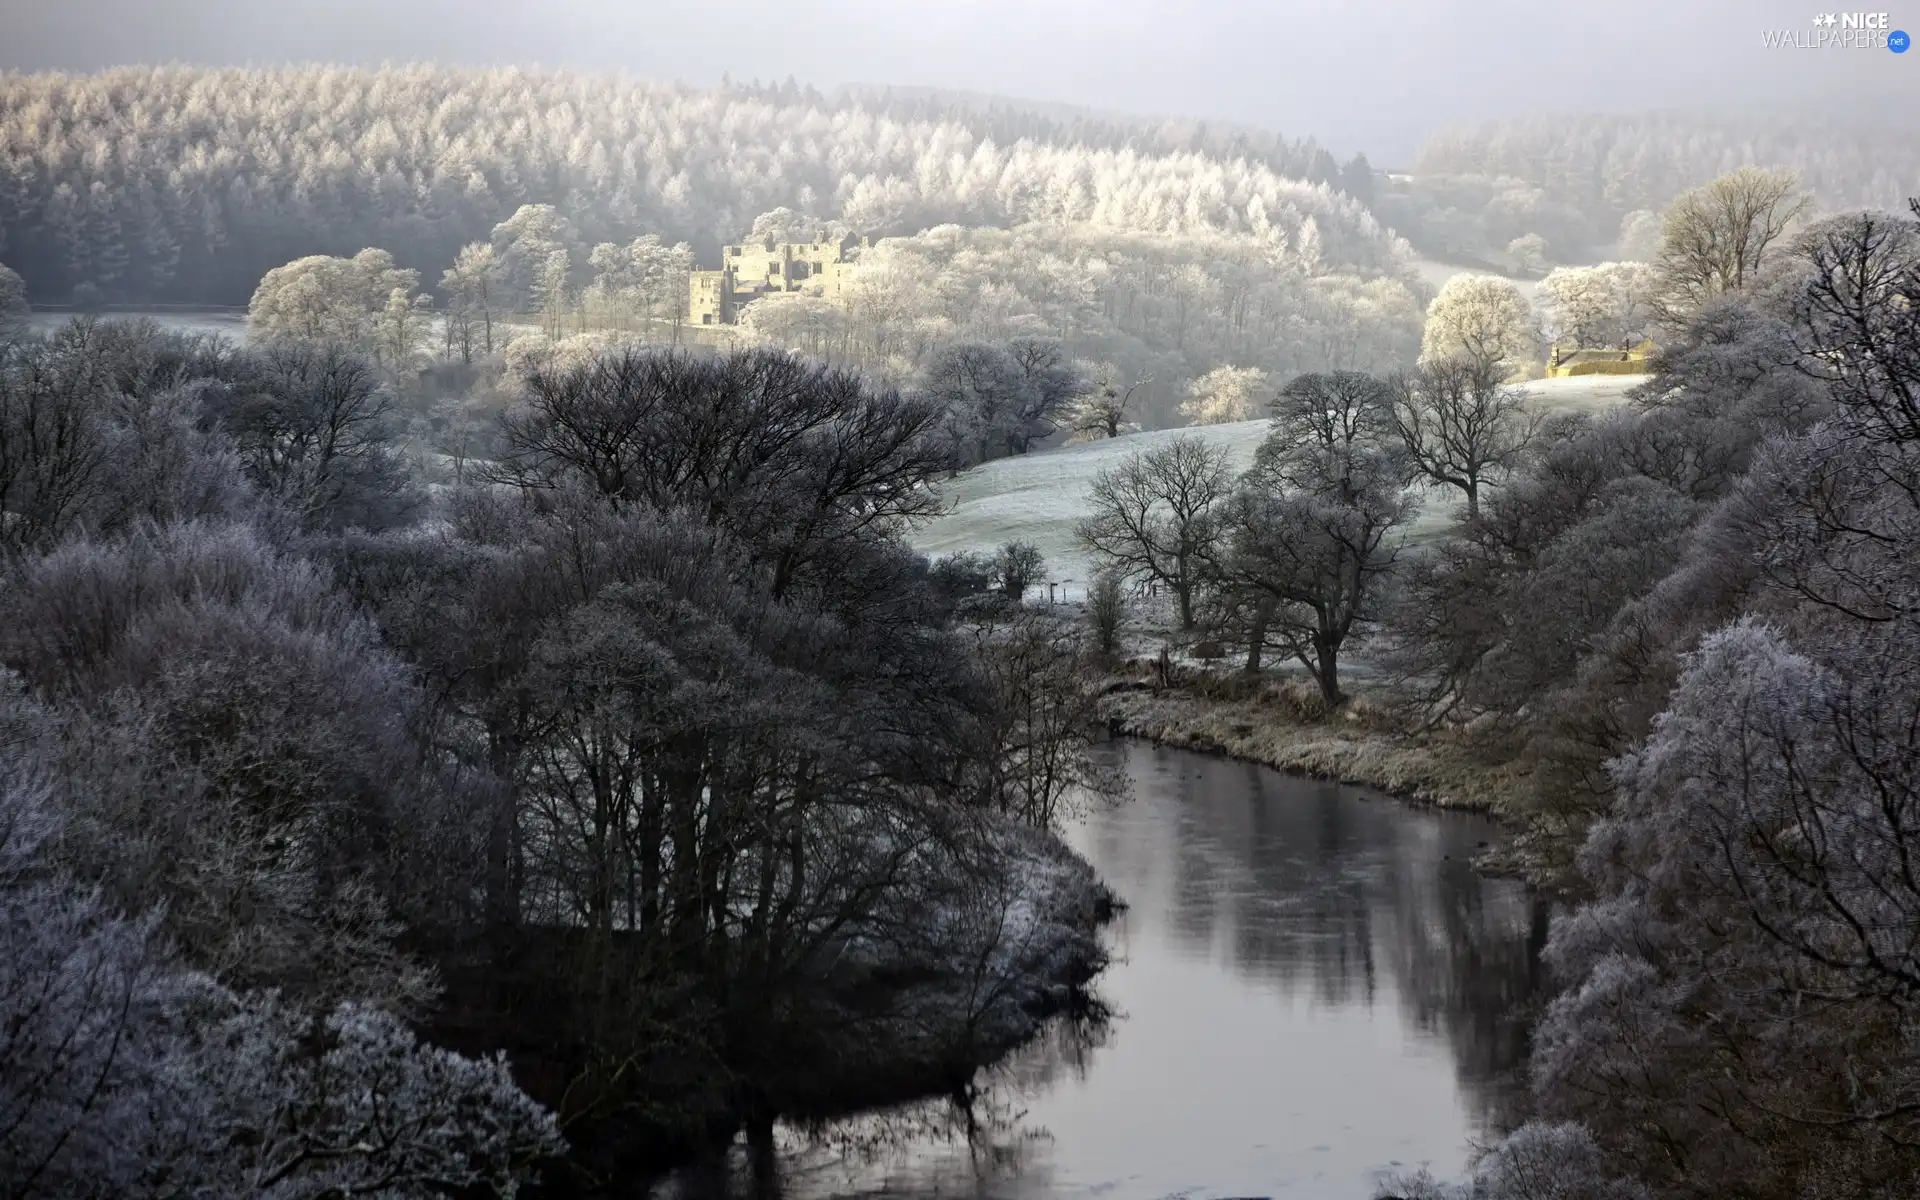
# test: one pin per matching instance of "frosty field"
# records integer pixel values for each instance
(1040, 497)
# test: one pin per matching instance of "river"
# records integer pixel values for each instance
(1311, 988)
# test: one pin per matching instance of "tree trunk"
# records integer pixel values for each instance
(760, 1152)
(1473, 499)
(1257, 636)
(1327, 673)
(502, 873)
(651, 832)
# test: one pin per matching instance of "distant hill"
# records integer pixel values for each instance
(186, 184)
(1611, 165)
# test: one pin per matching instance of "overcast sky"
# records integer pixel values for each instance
(1377, 75)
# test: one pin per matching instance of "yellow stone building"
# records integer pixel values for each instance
(1563, 361)
(754, 269)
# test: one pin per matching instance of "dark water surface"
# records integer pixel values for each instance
(1311, 987)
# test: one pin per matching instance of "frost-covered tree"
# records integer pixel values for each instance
(1528, 253)
(363, 303)
(312, 425)
(1739, 988)
(1481, 319)
(552, 292)
(469, 290)
(1102, 411)
(1715, 238)
(1303, 551)
(1640, 236)
(1225, 394)
(1156, 306)
(123, 1073)
(1541, 1160)
(782, 225)
(534, 252)
(1615, 166)
(13, 304)
(1604, 305)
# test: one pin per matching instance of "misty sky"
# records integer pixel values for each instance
(1376, 75)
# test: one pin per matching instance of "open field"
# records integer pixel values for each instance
(230, 322)
(1040, 497)
(1435, 275)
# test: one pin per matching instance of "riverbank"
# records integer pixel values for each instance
(1272, 723)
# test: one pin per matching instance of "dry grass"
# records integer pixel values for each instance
(1281, 724)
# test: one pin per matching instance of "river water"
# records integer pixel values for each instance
(1311, 988)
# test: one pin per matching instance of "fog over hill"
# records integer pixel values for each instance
(1378, 76)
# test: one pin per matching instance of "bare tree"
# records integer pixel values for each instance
(1331, 413)
(314, 428)
(1715, 237)
(1045, 719)
(1106, 610)
(1019, 566)
(1305, 553)
(1460, 427)
(1052, 384)
(1153, 515)
(1860, 311)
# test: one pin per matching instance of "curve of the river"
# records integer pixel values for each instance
(1311, 988)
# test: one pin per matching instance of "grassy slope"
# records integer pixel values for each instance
(1041, 496)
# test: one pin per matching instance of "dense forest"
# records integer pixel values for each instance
(1010, 120)
(188, 184)
(651, 757)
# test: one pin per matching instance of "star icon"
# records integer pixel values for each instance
(1823, 19)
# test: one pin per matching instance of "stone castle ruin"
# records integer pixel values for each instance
(751, 270)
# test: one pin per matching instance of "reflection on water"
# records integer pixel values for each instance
(1310, 987)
